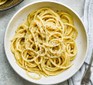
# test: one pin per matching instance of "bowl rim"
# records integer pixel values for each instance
(1, 10)
(56, 2)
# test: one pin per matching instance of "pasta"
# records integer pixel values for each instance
(45, 43)
(2, 1)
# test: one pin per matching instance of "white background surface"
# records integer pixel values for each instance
(7, 75)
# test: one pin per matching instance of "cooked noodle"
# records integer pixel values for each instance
(45, 43)
(2, 1)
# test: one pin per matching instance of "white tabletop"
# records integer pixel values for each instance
(7, 74)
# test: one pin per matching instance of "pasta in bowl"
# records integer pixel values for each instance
(46, 43)
(2, 2)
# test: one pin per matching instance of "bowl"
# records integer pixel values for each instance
(81, 41)
(9, 4)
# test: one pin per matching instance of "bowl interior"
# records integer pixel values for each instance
(81, 41)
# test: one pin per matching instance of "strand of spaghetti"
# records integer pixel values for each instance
(2, 1)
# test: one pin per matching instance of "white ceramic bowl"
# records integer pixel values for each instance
(82, 41)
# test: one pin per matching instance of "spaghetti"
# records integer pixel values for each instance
(2, 1)
(45, 43)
